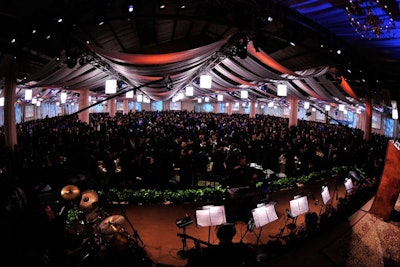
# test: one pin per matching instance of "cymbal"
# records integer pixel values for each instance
(70, 192)
(89, 198)
(111, 224)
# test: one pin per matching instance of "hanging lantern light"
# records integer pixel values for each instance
(395, 114)
(189, 91)
(205, 81)
(28, 94)
(282, 90)
(63, 97)
(111, 86)
(129, 94)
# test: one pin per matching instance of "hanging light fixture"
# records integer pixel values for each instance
(372, 19)
(63, 97)
(306, 105)
(341, 107)
(189, 91)
(220, 98)
(139, 98)
(28, 94)
(129, 94)
(205, 81)
(206, 99)
(244, 94)
(111, 86)
(395, 114)
(327, 107)
(2, 101)
(281, 90)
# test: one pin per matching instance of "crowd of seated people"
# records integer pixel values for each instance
(146, 149)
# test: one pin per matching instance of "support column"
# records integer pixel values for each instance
(83, 103)
(395, 128)
(10, 130)
(293, 112)
(229, 108)
(389, 186)
(368, 119)
(166, 105)
(112, 107)
(215, 107)
(252, 108)
(125, 106)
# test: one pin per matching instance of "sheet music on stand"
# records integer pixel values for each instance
(264, 214)
(299, 206)
(325, 195)
(348, 184)
(210, 216)
(396, 143)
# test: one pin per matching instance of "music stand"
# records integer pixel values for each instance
(299, 205)
(326, 197)
(210, 215)
(348, 184)
(262, 215)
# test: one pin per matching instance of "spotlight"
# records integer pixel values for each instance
(241, 48)
(169, 84)
(71, 62)
(82, 60)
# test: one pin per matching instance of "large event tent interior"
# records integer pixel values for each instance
(155, 64)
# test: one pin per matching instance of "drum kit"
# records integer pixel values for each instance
(97, 229)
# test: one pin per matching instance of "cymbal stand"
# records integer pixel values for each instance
(135, 233)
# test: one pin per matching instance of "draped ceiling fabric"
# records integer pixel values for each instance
(258, 73)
